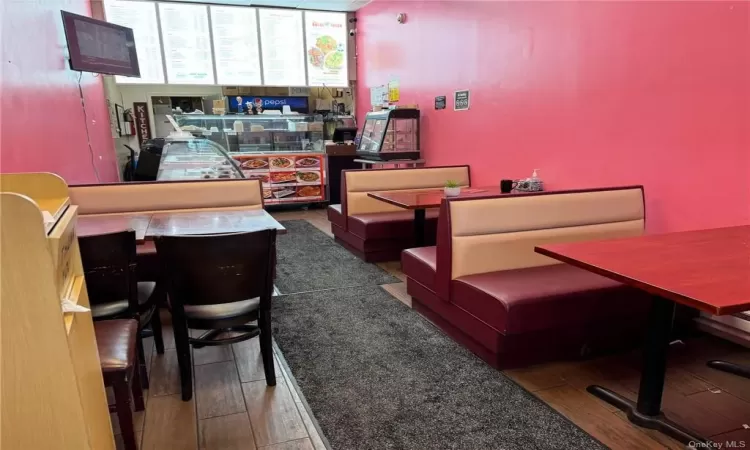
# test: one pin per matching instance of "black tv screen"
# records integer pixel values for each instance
(100, 47)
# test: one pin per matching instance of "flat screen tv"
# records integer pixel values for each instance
(100, 47)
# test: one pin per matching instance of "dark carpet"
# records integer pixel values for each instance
(378, 376)
(309, 260)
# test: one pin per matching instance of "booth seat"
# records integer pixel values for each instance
(164, 196)
(377, 231)
(484, 285)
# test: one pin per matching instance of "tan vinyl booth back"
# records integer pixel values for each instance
(118, 198)
(495, 234)
(360, 182)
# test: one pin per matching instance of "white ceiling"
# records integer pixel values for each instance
(326, 5)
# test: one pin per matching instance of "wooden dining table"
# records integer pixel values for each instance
(708, 270)
(149, 225)
(420, 201)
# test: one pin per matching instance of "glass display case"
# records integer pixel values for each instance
(263, 133)
(285, 152)
(390, 134)
(193, 159)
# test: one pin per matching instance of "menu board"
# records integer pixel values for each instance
(187, 43)
(235, 39)
(326, 38)
(141, 17)
(282, 47)
(287, 178)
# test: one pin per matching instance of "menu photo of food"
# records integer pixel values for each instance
(309, 192)
(267, 194)
(284, 192)
(253, 163)
(308, 177)
(281, 162)
(263, 177)
(307, 162)
(283, 177)
(326, 54)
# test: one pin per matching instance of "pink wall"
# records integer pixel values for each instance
(591, 93)
(43, 125)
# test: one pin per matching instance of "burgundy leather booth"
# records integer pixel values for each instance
(521, 316)
(384, 230)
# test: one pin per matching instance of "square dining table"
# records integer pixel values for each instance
(89, 225)
(708, 270)
(420, 201)
(149, 225)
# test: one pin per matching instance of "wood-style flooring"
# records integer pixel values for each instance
(233, 409)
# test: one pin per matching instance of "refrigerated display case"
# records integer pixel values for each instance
(389, 134)
(194, 159)
(285, 152)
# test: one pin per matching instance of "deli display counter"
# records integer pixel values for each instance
(263, 133)
(285, 152)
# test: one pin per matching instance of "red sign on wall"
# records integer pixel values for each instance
(142, 123)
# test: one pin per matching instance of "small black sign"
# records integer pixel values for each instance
(461, 100)
(440, 102)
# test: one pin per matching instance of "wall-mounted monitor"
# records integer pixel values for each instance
(100, 47)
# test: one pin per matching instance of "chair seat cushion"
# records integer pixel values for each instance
(385, 225)
(539, 298)
(115, 340)
(420, 264)
(221, 310)
(335, 216)
(117, 307)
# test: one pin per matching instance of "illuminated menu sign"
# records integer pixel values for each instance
(141, 17)
(282, 47)
(236, 52)
(187, 43)
(326, 38)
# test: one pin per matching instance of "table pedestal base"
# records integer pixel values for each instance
(658, 422)
(726, 366)
(419, 224)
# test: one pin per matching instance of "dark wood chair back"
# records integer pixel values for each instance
(219, 268)
(109, 267)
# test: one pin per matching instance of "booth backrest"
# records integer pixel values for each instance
(118, 198)
(500, 233)
(357, 183)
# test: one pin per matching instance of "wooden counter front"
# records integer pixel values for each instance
(52, 388)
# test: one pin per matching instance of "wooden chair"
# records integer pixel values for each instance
(219, 283)
(109, 266)
(116, 342)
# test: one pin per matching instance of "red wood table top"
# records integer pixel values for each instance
(93, 225)
(708, 269)
(427, 198)
(211, 222)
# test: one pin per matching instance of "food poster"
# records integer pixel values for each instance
(286, 178)
(326, 39)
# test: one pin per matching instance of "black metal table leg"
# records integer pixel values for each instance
(726, 366)
(647, 411)
(419, 222)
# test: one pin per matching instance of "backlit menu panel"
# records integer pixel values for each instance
(235, 39)
(187, 43)
(282, 47)
(141, 17)
(326, 38)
